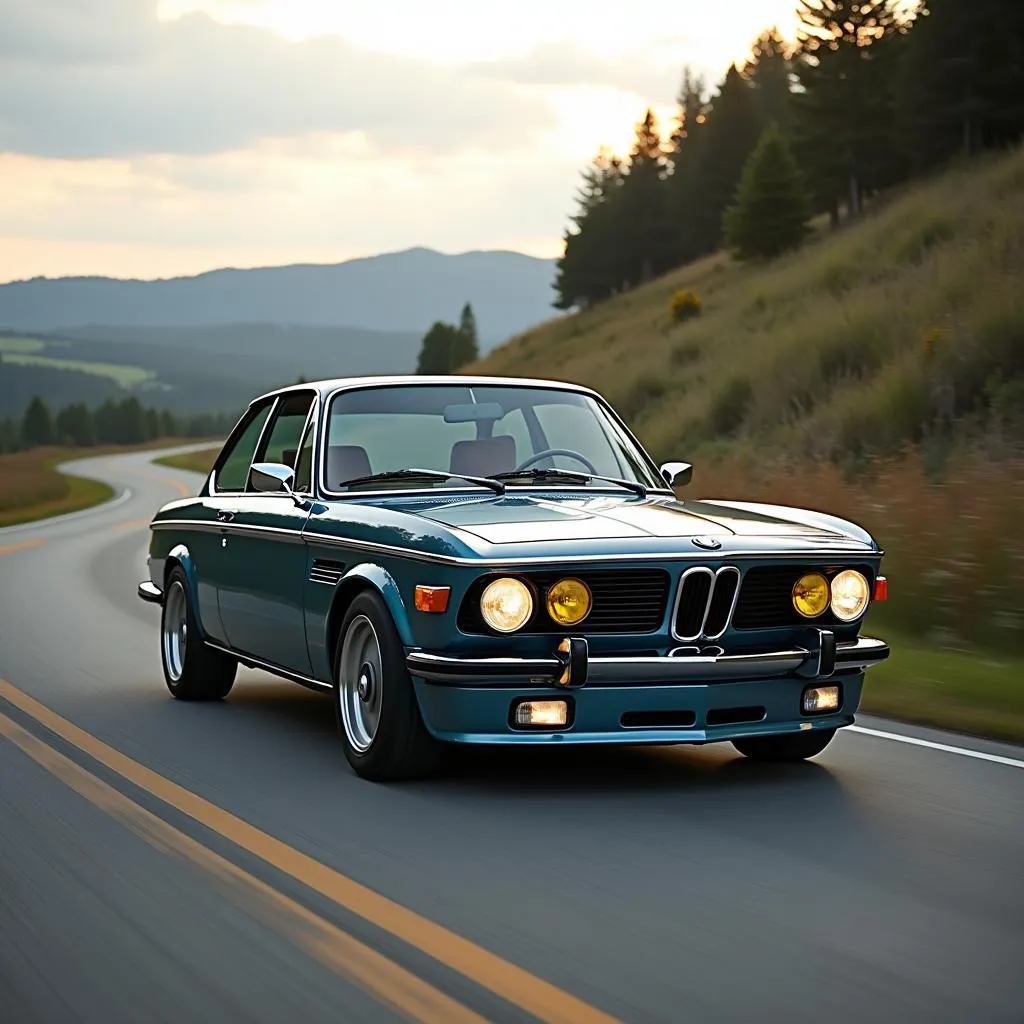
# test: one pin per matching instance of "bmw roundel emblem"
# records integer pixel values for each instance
(707, 542)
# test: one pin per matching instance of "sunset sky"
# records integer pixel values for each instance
(145, 139)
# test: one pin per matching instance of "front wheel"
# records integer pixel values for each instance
(378, 717)
(794, 746)
(192, 670)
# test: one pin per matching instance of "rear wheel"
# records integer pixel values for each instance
(192, 670)
(794, 746)
(378, 716)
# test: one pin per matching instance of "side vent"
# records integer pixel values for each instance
(705, 602)
(326, 571)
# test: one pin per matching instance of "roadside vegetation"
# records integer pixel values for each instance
(195, 462)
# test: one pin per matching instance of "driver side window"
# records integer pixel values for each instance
(236, 458)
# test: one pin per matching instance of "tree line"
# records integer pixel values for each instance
(124, 422)
(873, 93)
(446, 347)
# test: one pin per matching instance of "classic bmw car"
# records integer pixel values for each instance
(492, 560)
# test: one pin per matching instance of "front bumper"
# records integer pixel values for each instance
(689, 696)
(571, 665)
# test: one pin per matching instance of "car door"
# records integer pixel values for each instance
(263, 570)
(206, 543)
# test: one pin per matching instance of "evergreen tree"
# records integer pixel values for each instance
(730, 136)
(37, 425)
(465, 348)
(589, 268)
(961, 82)
(770, 74)
(441, 346)
(770, 214)
(10, 440)
(75, 426)
(168, 424)
(845, 111)
(684, 161)
(645, 240)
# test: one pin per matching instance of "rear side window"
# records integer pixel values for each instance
(237, 457)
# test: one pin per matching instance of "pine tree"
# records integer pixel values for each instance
(75, 426)
(440, 349)
(770, 214)
(465, 346)
(846, 109)
(37, 425)
(684, 161)
(770, 74)
(732, 132)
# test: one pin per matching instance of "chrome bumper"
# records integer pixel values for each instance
(150, 592)
(571, 665)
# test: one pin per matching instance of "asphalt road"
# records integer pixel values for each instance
(169, 862)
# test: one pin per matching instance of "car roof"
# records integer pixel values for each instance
(326, 387)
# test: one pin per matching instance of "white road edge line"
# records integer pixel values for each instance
(67, 517)
(914, 741)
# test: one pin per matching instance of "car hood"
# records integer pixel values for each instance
(527, 518)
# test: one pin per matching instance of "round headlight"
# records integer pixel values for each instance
(810, 595)
(506, 605)
(569, 601)
(850, 595)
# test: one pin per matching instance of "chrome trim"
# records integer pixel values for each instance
(325, 571)
(732, 607)
(696, 668)
(714, 574)
(150, 592)
(285, 673)
(288, 536)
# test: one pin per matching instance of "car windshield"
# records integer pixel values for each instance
(477, 431)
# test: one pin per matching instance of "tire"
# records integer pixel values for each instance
(192, 670)
(378, 717)
(793, 746)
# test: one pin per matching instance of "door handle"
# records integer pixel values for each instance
(225, 515)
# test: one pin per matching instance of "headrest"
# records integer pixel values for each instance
(345, 462)
(484, 457)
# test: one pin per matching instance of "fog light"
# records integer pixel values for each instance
(818, 700)
(551, 714)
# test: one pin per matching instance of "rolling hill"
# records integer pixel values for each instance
(905, 327)
(394, 292)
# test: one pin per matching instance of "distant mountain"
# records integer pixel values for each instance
(397, 292)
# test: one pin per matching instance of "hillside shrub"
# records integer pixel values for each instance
(685, 305)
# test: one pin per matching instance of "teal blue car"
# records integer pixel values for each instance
(493, 560)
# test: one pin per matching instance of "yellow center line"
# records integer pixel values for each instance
(133, 524)
(519, 987)
(22, 545)
(382, 978)
(183, 489)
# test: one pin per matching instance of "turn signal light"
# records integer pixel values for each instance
(432, 599)
(881, 589)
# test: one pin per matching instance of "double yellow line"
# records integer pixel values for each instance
(384, 979)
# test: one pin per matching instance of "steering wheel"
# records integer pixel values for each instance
(591, 468)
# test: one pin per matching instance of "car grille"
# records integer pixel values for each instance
(766, 596)
(705, 602)
(625, 601)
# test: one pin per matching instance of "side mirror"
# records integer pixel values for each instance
(272, 476)
(677, 474)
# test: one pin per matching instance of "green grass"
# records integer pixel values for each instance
(125, 376)
(21, 345)
(196, 462)
(966, 691)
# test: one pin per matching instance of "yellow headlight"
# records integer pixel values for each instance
(850, 595)
(506, 605)
(569, 601)
(810, 595)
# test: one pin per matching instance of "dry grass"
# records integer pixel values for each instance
(31, 488)
(869, 338)
(195, 462)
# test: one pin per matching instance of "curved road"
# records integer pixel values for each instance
(170, 862)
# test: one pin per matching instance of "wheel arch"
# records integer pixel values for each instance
(360, 578)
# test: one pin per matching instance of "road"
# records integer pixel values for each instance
(161, 861)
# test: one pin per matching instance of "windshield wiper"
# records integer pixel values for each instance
(426, 474)
(571, 474)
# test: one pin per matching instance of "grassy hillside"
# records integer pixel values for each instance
(878, 375)
(883, 333)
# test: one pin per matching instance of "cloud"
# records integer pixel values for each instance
(106, 78)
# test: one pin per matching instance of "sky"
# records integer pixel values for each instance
(152, 138)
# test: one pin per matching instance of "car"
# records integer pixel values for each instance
(488, 560)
